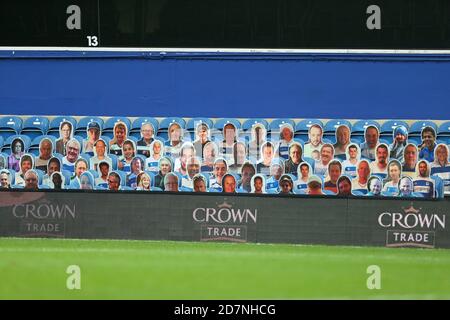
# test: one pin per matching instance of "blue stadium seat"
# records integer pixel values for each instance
(7, 146)
(35, 126)
(388, 127)
(249, 123)
(53, 128)
(123, 177)
(67, 176)
(438, 186)
(82, 124)
(9, 126)
(40, 174)
(415, 131)
(2, 142)
(12, 176)
(133, 138)
(135, 130)
(443, 132)
(94, 173)
(114, 160)
(80, 140)
(86, 157)
(108, 129)
(302, 128)
(192, 124)
(34, 147)
(107, 140)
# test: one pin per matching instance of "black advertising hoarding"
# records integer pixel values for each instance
(240, 218)
(290, 24)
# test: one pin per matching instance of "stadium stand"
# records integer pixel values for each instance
(34, 129)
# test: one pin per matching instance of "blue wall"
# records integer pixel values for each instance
(227, 85)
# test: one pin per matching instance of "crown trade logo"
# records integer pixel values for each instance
(43, 218)
(224, 222)
(411, 227)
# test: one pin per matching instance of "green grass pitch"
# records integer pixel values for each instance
(36, 269)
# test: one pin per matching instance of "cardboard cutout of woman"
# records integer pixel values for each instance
(26, 163)
(165, 166)
(120, 136)
(144, 182)
(17, 150)
(128, 154)
(441, 165)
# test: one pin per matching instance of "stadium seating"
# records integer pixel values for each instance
(443, 132)
(32, 130)
(35, 126)
(9, 126)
